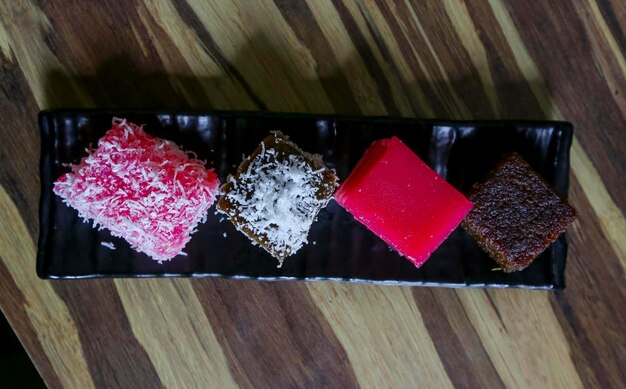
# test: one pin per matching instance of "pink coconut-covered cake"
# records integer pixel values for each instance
(402, 200)
(142, 188)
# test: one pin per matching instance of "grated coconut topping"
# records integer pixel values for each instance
(277, 199)
(143, 189)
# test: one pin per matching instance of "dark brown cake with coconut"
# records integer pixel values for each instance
(516, 214)
(276, 194)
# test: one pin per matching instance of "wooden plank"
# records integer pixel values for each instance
(451, 59)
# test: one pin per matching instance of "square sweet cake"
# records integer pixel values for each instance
(516, 214)
(276, 194)
(141, 188)
(402, 200)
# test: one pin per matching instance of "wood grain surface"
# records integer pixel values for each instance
(454, 59)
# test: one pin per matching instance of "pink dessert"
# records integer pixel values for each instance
(403, 201)
(143, 189)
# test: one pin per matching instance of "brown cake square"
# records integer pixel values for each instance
(276, 194)
(516, 214)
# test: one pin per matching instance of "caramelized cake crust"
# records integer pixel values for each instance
(516, 214)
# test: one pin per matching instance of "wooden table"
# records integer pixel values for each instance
(447, 59)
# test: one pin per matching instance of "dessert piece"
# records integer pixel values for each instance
(276, 195)
(403, 201)
(516, 214)
(143, 189)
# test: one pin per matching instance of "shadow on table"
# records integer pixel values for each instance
(284, 86)
(16, 369)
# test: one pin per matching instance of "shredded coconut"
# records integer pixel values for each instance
(277, 199)
(143, 189)
(108, 245)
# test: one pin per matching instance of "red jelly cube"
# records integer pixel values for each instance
(403, 201)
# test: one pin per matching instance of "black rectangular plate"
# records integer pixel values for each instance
(340, 248)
